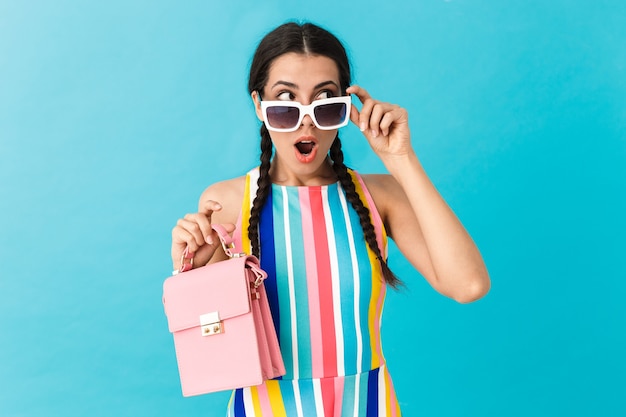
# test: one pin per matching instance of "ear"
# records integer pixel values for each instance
(256, 99)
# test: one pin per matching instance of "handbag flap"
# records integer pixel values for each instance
(222, 287)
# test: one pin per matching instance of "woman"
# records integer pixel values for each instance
(321, 229)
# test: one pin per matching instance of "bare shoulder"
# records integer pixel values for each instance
(387, 194)
(382, 187)
(229, 194)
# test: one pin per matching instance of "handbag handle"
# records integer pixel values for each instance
(228, 244)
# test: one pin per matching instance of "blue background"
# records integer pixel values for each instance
(114, 116)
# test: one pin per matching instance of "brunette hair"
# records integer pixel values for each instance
(309, 39)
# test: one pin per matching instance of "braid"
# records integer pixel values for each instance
(369, 233)
(263, 190)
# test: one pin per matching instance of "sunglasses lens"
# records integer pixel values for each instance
(332, 114)
(282, 117)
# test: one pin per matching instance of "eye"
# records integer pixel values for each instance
(285, 96)
(325, 94)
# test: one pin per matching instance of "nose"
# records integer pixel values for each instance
(307, 121)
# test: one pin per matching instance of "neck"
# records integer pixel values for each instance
(322, 175)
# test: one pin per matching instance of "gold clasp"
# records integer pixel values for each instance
(228, 250)
(211, 324)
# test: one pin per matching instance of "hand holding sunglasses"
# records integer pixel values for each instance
(385, 125)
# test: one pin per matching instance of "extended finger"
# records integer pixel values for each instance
(204, 222)
(208, 207)
(365, 115)
(360, 92)
(378, 111)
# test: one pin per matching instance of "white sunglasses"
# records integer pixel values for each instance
(286, 116)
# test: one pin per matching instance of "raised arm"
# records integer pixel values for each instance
(418, 219)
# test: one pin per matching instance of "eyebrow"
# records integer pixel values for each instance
(295, 86)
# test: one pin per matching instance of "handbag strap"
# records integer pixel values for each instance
(228, 244)
(186, 260)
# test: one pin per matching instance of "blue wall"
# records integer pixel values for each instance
(114, 116)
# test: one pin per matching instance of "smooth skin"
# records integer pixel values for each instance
(415, 216)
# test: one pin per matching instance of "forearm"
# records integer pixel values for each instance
(458, 267)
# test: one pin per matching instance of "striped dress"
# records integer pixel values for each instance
(326, 293)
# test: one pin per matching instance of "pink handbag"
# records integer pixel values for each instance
(221, 322)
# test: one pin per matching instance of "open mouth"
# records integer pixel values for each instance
(305, 147)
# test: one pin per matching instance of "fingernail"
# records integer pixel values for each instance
(209, 240)
(363, 126)
(374, 132)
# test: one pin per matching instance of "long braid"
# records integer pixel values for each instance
(264, 186)
(352, 196)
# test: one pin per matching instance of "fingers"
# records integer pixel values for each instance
(361, 119)
(198, 226)
(194, 230)
(375, 117)
(208, 207)
(396, 115)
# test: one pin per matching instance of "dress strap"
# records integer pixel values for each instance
(240, 237)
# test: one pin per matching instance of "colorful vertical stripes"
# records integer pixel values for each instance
(368, 394)
(326, 293)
